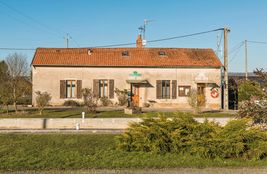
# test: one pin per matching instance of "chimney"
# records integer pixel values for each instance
(139, 41)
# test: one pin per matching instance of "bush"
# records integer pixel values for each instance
(248, 89)
(122, 96)
(183, 135)
(42, 100)
(90, 99)
(254, 109)
(196, 100)
(72, 103)
(105, 101)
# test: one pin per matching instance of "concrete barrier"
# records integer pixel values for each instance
(74, 123)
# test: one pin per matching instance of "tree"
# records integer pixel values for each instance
(42, 100)
(17, 70)
(254, 99)
(90, 99)
(248, 89)
(5, 92)
(196, 100)
(122, 96)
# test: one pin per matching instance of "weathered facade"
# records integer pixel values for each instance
(161, 77)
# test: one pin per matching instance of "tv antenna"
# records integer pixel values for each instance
(142, 30)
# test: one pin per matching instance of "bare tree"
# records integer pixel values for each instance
(42, 100)
(17, 70)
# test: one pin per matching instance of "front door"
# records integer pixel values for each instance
(201, 93)
(135, 97)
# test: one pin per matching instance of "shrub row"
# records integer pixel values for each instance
(184, 135)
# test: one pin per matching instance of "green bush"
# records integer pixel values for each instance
(256, 110)
(184, 135)
(72, 103)
(122, 96)
(105, 101)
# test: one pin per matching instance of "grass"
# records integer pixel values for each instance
(21, 152)
(76, 113)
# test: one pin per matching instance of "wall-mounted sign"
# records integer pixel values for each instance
(135, 74)
(214, 92)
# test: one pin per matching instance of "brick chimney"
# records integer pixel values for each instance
(139, 41)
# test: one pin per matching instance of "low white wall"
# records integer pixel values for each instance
(71, 123)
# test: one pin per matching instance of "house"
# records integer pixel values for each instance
(162, 77)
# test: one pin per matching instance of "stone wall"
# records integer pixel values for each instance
(71, 123)
(48, 79)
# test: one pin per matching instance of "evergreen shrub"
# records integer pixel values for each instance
(184, 135)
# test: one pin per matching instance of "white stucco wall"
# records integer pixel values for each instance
(48, 79)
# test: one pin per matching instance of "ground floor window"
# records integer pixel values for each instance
(165, 89)
(71, 88)
(184, 91)
(103, 88)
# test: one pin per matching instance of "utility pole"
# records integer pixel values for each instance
(246, 59)
(226, 30)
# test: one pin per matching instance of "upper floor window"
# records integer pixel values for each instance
(125, 53)
(162, 53)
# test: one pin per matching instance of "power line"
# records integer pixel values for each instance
(163, 39)
(133, 43)
(258, 42)
(32, 19)
(19, 49)
(183, 36)
(53, 31)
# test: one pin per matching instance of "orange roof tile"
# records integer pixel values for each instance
(137, 57)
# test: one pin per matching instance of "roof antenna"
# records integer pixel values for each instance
(142, 30)
(67, 38)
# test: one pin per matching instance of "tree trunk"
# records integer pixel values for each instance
(7, 109)
(15, 107)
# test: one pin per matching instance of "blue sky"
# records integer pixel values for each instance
(43, 23)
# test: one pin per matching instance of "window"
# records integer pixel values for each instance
(103, 88)
(162, 53)
(184, 90)
(71, 88)
(165, 89)
(125, 53)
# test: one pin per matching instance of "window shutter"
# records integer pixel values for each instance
(62, 88)
(96, 87)
(111, 88)
(79, 89)
(159, 89)
(174, 89)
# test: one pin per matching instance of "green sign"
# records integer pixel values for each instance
(135, 74)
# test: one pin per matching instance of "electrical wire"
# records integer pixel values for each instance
(258, 42)
(160, 40)
(19, 49)
(125, 44)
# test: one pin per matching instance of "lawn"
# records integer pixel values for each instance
(76, 113)
(92, 151)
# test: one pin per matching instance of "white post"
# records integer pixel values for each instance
(77, 126)
(83, 115)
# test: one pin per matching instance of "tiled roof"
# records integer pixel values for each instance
(137, 57)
